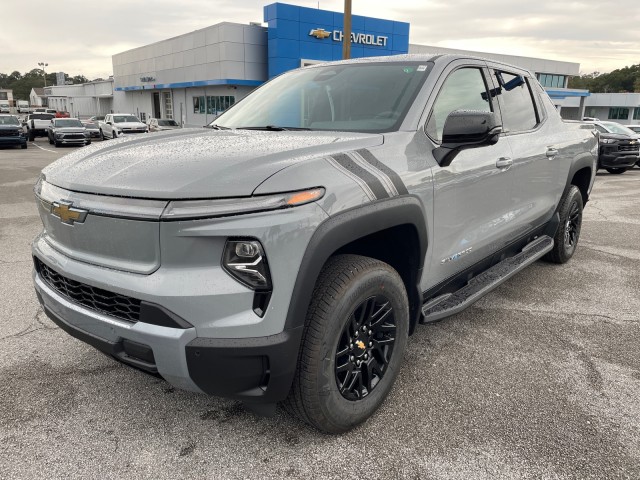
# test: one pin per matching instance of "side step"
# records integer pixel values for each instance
(452, 303)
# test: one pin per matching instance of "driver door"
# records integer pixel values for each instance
(472, 210)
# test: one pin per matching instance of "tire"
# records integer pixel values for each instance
(88, 142)
(23, 147)
(57, 144)
(616, 170)
(349, 286)
(102, 135)
(50, 141)
(31, 137)
(568, 233)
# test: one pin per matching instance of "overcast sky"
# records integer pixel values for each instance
(79, 36)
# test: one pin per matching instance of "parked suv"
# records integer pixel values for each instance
(11, 133)
(287, 253)
(68, 131)
(619, 147)
(118, 124)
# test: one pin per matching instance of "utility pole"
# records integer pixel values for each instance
(44, 74)
(346, 34)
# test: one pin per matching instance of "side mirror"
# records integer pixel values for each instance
(466, 129)
(109, 123)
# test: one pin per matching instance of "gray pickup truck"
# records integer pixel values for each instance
(287, 253)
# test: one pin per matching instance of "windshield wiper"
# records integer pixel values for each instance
(273, 128)
(216, 127)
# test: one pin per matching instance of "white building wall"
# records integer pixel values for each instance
(222, 51)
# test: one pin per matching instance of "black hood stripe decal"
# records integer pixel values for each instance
(393, 176)
(371, 180)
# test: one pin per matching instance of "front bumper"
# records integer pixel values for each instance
(618, 160)
(71, 141)
(12, 141)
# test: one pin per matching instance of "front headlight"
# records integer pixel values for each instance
(608, 140)
(59, 135)
(194, 209)
(244, 260)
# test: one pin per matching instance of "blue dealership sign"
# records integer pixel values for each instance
(300, 33)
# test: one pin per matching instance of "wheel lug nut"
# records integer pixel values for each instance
(357, 334)
(369, 332)
(352, 358)
(371, 344)
(364, 329)
(366, 356)
(351, 346)
(358, 363)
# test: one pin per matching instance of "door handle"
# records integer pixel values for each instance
(551, 152)
(504, 162)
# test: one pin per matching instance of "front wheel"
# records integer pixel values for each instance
(616, 171)
(568, 233)
(353, 343)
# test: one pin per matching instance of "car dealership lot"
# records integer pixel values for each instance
(540, 379)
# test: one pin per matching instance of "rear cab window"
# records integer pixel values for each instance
(517, 106)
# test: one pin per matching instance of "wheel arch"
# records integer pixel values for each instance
(367, 231)
(582, 175)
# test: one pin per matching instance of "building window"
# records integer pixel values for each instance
(198, 104)
(218, 104)
(591, 112)
(551, 81)
(636, 113)
(168, 105)
(618, 113)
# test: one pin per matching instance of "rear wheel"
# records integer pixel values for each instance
(616, 170)
(31, 137)
(568, 233)
(353, 344)
(102, 135)
(24, 146)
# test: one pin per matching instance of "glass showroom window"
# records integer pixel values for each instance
(618, 113)
(551, 81)
(218, 104)
(636, 113)
(199, 104)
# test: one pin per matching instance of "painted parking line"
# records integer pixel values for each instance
(41, 148)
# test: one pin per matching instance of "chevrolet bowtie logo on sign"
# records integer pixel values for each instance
(319, 33)
(69, 215)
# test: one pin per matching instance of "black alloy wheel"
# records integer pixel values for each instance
(365, 348)
(572, 226)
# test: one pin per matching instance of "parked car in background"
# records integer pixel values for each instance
(60, 114)
(36, 124)
(4, 106)
(619, 148)
(11, 133)
(96, 119)
(92, 128)
(117, 124)
(635, 128)
(67, 131)
(160, 124)
(23, 106)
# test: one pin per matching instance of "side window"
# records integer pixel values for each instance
(601, 129)
(518, 111)
(464, 89)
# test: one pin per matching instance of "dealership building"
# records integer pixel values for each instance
(195, 76)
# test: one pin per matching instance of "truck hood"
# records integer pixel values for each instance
(69, 129)
(192, 163)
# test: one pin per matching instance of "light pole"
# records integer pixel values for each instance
(346, 38)
(44, 74)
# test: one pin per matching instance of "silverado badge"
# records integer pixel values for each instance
(65, 212)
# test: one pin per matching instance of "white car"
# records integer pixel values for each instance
(160, 124)
(118, 124)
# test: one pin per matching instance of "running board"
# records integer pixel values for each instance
(452, 303)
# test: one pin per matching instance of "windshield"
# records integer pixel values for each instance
(125, 118)
(69, 122)
(167, 123)
(617, 128)
(360, 97)
(89, 125)
(9, 121)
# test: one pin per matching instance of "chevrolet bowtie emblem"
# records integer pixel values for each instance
(69, 215)
(360, 344)
(319, 33)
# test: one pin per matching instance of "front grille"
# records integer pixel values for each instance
(73, 136)
(124, 130)
(9, 133)
(93, 298)
(627, 148)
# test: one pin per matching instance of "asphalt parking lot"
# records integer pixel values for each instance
(540, 379)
